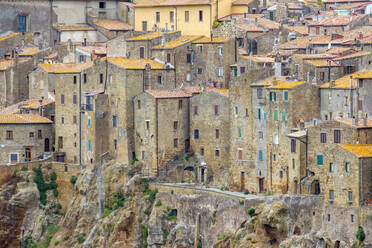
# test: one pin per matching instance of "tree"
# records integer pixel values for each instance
(360, 235)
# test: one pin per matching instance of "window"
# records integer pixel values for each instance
(259, 114)
(200, 48)
(102, 5)
(168, 57)
(200, 15)
(101, 78)
(337, 136)
(171, 16)
(89, 121)
(63, 120)
(160, 80)
(202, 151)
(200, 70)
(188, 58)
(293, 145)
(323, 138)
(196, 134)
(157, 14)
(22, 23)
(110, 79)
(115, 144)
(14, 157)
(187, 15)
(39, 134)
(240, 42)
(272, 96)
(276, 139)
(62, 99)
(195, 110)
(347, 167)
(217, 133)
(331, 168)
(236, 110)
(142, 52)
(31, 134)
(89, 145)
(74, 119)
(9, 134)
(85, 78)
(275, 115)
(331, 195)
(246, 112)
(139, 104)
(352, 219)
(322, 76)
(175, 125)
(74, 99)
(281, 174)
(147, 125)
(260, 155)
(242, 69)
(60, 142)
(259, 93)
(220, 51)
(286, 96)
(188, 77)
(260, 135)
(239, 132)
(360, 83)
(235, 72)
(81, 58)
(175, 142)
(319, 159)
(179, 104)
(360, 105)
(144, 26)
(283, 116)
(217, 153)
(114, 120)
(329, 217)
(216, 110)
(75, 79)
(143, 155)
(350, 196)
(240, 154)
(293, 163)
(220, 72)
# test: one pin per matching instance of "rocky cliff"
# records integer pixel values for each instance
(113, 206)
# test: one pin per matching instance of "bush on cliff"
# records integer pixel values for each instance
(73, 179)
(360, 235)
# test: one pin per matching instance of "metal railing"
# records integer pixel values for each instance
(86, 107)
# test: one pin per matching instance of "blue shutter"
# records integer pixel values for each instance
(260, 156)
(89, 145)
(286, 96)
(259, 114)
(21, 23)
(319, 159)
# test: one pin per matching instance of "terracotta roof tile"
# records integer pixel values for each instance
(168, 93)
(65, 67)
(259, 59)
(5, 64)
(28, 104)
(29, 51)
(8, 35)
(193, 89)
(135, 63)
(360, 123)
(286, 85)
(241, 2)
(23, 119)
(110, 24)
(361, 151)
(213, 40)
(366, 75)
(180, 41)
(322, 63)
(269, 81)
(74, 28)
(147, 36)
(223, 92)
(340, 83)
(153, 3)
(298, 29)
(90, 49)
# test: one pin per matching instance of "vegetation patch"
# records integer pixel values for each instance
(222, 237)
(251, 212)
(42, 186)
(73, 179)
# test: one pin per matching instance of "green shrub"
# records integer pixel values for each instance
(14, 174)
(246, 192)
(360, 235)
(24, 168)
(81, 238)
(56, 243)
(106, 213)
(115, 201)
(158, 203)
(172, 192)
(172, 217)
(165, 235)
(59, 206)
(145, 234)
(53, 176)
(222, 237)
(251, 212)
(241, 202)
(55, 192)
(66, 238)
(73, 179)
(200, 245)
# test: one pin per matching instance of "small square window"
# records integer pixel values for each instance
(31, 134)
(202, 151)
(217, 153)
(175, 125)
(347, 167)
(175, 142)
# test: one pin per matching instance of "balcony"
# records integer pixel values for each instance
(86, 107)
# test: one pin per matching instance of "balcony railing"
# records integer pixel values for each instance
(87, 107)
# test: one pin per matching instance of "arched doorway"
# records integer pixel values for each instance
(46, 145)
(316, 187)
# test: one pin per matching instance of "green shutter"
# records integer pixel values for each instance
(274, 96)
(275, 115)
(271, 96)
(286, 96)
(235, 72)
(239, 132)
(320, 159)
(283, 116)
(259, 114)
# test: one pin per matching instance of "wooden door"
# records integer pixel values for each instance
(28, 154)
(242, 181)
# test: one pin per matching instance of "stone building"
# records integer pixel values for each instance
(212, 58)
(285, 112)
(25, 137)
(14, 80)
(209, 134)
(10, 40)
(161, 127)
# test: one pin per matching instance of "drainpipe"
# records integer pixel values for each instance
(361, 200)
(157, 138)
(175, 70)
(51, 43)
(176, 19)
(329, 71)
(351, 97)
(80, 118)
(143, 80)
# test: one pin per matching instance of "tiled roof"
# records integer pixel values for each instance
(23, 119)
(110, 24)
(153, 3)
(213, 40)
(259, 59)
(298, 29)
(360, 123)
(148, 36)
(339, 20)
(269, 81)
(168, 93)
(28, 104)
(338, 50)
(193, 89)
(353, 55)
(29, 51)
(314, 56)
(90, 49)
(180, 41)
(322, 63)
(294, 6)
(367, 74)
(240, 15)
(74, 28)
(241, 2)
(359, 150)
(223, 92)
(340, 83)
(260, 21)
(7, 36)
(65, 67)
(135, 63)
(286, 85)
(5, 64)
(302, 42)
(249, 27)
